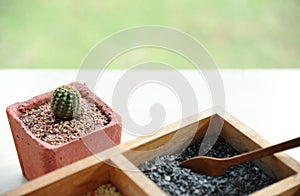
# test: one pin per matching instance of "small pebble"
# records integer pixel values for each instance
(104, 190)
(167, 178)
(242, 179)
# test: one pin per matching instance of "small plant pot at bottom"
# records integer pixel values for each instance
(37, 157)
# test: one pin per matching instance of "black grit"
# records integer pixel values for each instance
(242, 179)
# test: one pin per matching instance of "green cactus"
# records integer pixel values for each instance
(65, 102)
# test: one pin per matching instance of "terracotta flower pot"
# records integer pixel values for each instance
(38, 157)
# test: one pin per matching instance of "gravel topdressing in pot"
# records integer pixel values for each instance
(45, 126)
(242, 179)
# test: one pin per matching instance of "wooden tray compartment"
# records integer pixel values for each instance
(87, 175)
(242, 138)
(120, 165)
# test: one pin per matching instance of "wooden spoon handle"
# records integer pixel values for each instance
(259, 153)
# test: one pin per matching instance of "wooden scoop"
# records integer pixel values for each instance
(217, 166)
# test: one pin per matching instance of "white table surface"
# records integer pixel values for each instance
(268, 101)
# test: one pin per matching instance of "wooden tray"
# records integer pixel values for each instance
(118, 165)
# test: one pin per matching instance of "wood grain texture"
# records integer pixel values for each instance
(169, 143)
(245, 139)
(130, 180)
(286, 187)
(75, 179)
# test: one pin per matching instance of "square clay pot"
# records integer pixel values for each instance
(37, 157)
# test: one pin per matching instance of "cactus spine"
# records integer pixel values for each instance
(65, 102)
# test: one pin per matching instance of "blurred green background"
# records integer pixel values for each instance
(237, 33)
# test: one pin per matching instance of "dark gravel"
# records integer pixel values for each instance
(242, 179)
